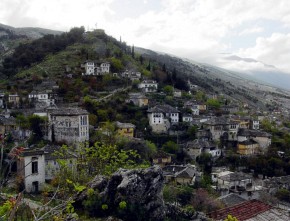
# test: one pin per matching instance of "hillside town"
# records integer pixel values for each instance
(219, 155)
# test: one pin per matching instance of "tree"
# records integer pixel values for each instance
(168, 90)
(231, 218)
(170, 147)
(213, 103)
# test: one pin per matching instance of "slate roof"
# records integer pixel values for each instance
(179, 171)
(124, 125)
(253, 133)
(236, 176)
(231, 199)
(248, 142)
(161, 154)
(275, 182)
(199, 144)
(162, 109)
(67, 112)
(242, 211)
(7, 121)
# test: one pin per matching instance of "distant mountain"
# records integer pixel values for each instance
(261, 72)
(28, 32)
(11, 37)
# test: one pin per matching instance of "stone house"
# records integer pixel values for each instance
(125, 129)
(180, 174)
(228, 181)
(162, 158)
(261, 137)
(89, 68)
(187, 118)
(161, 117)
(38, 166)
(70, 125)
(132, 75)
(14, 100)
(31, 166)
(92, 69)
(195, 148)
(255, 124)
(248, 147)
(2, 97)
(148, 86)
(230, 108)
(138, 99)
(222, 128)
(8, 124)
(44, 97)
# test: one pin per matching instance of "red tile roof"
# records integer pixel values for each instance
(241, 211)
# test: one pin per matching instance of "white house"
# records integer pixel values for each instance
(255, 124)
(32, 167)
(89, 68)
(161, 117)
(187, 118)
(148, 86)
(45, 97)
(70, 125)
(2, 100)
(103, 69)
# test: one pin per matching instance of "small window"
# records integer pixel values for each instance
(34, 167)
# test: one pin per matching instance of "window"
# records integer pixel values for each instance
(34, 167)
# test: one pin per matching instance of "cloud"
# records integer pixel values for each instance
(248, 31)
(54, 14)
(271, 50)
(196, 29)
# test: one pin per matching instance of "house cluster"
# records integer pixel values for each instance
(9, 100)
(65, 126)
(93, 69)
(244, 196)
(44, 94)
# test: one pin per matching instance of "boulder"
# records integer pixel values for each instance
(140, 189)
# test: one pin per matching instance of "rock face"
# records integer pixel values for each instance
(141, 189)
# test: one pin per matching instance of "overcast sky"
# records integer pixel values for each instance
(202, 30)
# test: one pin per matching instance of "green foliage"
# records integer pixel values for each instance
(122, 205)
(283, 195)
(168, 90)
(116, 65)
(231, 218)
(105, 207)
(27, 54)
(213, 103)
(5, 208)
(205, 160)
(170, 147)
(173, 194)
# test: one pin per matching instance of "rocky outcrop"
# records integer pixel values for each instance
(140, 189)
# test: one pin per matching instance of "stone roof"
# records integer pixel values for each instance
(7, 121)
(235, 176)
(161, 154)
(124, 125)
(32, 152)
(162, 109)
(199, 143)
(137, 96)
(67, 111)
(276, 182)
(253, 133)
(248, 142)
(185, 171)
(231, 199)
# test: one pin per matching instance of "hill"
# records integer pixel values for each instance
(57, 57)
